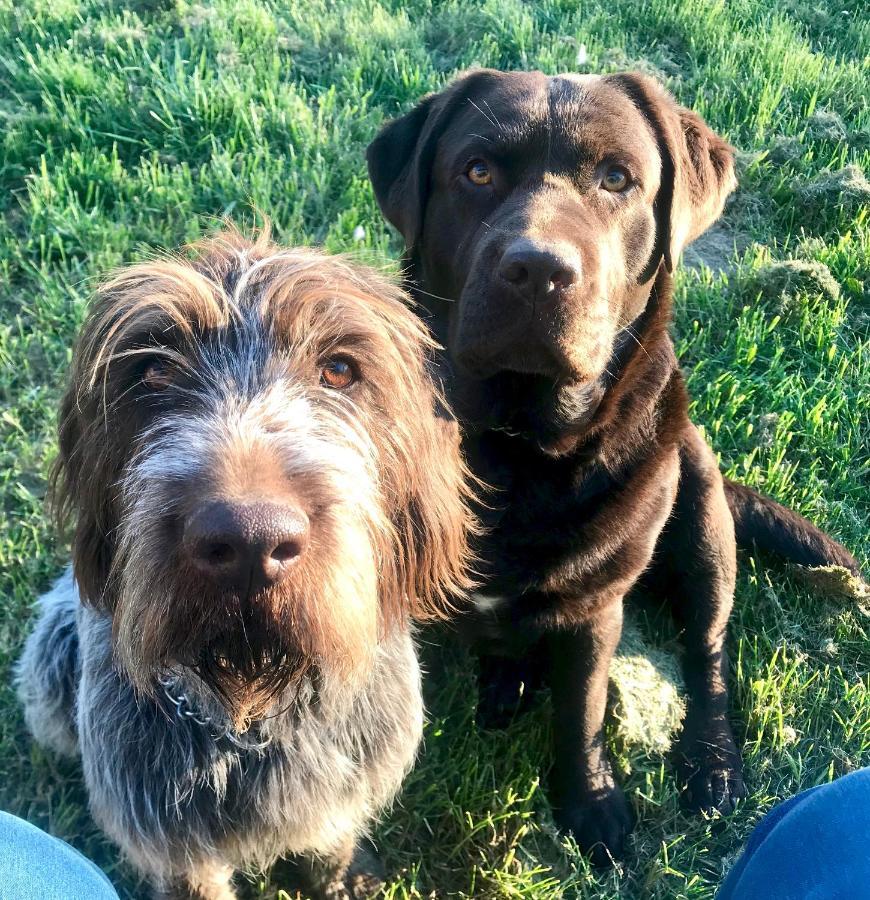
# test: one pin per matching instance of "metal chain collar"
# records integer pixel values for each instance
(185, 711)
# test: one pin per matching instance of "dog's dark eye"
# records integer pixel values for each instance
(478, 173)
(157, 375)
(337, 374)
(615, 179)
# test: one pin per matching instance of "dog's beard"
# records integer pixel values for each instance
(248, 661)
(248, 651)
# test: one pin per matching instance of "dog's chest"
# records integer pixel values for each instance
(533, 498)
(546, 516)
(321, 775)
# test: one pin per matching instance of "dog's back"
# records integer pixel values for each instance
(47, 674)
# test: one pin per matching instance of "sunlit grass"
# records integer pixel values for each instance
(126, 127)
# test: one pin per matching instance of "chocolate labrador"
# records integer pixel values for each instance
(542, 218)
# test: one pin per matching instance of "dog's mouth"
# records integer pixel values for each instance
(538, 408)
(548, 367)
(248, 685)
(243, 651)
(518, 351)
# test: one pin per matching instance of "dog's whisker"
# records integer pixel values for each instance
(419, 290)
(629, 330)
(486, 102)
(488, 118)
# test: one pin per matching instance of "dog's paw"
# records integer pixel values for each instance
(709, 770)
(712, 786)
(506, 689)
(600, 824)
(362, 879)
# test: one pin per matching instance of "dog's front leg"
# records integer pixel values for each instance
(507, 686)
(586, 799)
(208, 881)
(355, 874)
(696, 568)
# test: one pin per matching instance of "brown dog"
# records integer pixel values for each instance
(542, 219)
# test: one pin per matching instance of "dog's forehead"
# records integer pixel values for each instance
(582, 112)
(299, 296)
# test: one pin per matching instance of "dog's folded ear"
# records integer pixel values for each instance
(400, 157)
(398, 173)
(697, 167)
(435, 524)
(82, 486)
(425, 574)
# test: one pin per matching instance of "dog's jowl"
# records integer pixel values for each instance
(264, 499)
(542, 218)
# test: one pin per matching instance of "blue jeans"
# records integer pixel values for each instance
(814, 846)
(34, 865)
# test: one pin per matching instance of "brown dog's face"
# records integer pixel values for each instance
(260, 482)
(540, 208)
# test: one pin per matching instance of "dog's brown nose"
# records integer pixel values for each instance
(245, 547)
(536, 272)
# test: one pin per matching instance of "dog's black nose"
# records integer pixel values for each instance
(537, 272)
(245, 547)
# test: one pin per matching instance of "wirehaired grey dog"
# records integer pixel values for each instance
(266, 494)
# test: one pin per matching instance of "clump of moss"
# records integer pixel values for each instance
(783, 149)
(645, 683)
(826, 125)
(846, 190)
(784, 282)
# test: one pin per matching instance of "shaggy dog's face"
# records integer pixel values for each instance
(261, 482)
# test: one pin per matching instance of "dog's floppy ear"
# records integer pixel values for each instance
(400, 158)
(82, 486)
(399, 165)
(435, 523)
(697, 168)
(426, 484)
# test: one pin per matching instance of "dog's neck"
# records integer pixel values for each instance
(191, 701)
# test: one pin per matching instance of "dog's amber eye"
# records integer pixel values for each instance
(337, 373)
(478, 173)
(157, 375)
(615, 179)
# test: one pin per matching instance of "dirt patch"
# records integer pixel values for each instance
(715, 249)
(661, 67)
(719, 246)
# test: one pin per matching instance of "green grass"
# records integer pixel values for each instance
(129, 126)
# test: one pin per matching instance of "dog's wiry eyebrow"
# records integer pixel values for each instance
(166, 295)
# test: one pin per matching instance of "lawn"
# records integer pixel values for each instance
(131, 126)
